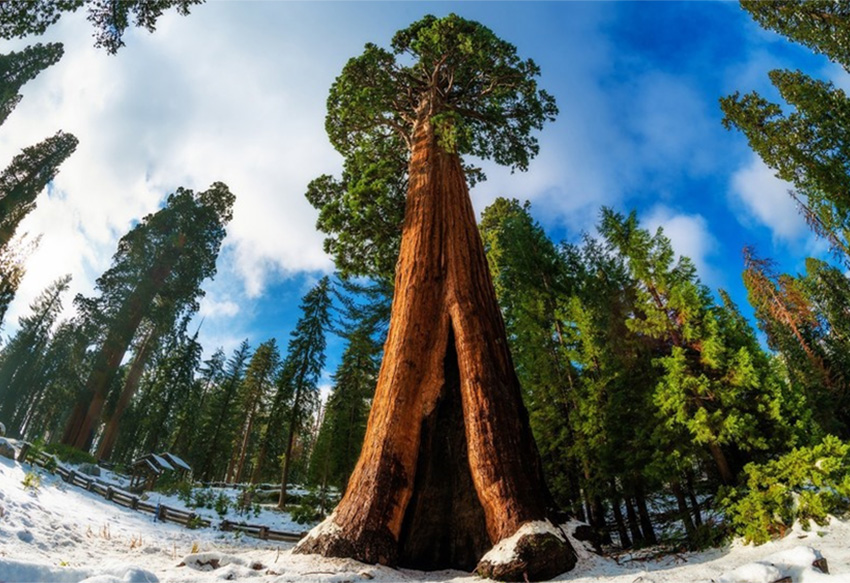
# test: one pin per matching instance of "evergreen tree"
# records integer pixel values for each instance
(156, 274)
(167, 390)
(110, 18)
(808, 145)
(219, 418)
(254, 394)
(448, 88)
(16, 68)
(27, 175)
(12, 269)
(530, 280)
(305, 359)
(344, 421)
(62, 378)
(22, 358)
(714, 386)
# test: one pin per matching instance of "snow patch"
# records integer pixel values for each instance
(327, 528)
(505, 551)
(209, 561)
(796, 563)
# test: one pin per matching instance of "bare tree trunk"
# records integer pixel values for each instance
(643, 512)
(689, 484)
(634, 527)
(625, 541)
(449, 466)
(723, 469)
(131, 383)
(684, 511)
(118, 338)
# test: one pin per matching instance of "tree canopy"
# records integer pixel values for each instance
(110, 18)
(482, 98)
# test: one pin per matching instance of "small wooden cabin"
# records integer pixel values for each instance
(148, 469)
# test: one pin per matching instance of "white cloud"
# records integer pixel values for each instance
(212, 308)
(690, 236)
(763, 198)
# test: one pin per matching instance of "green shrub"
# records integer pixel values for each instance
(69, 454)
(309, 509)
(807, 484)
(203, 499)
(222, 504)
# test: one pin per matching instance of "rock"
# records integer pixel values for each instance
(537, 552)
(2, 430)
(6, 449)
(820, 565)
(89, 470)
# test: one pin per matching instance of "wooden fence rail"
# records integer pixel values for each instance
(161, 512)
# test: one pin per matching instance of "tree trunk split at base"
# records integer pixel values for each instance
(449, 466)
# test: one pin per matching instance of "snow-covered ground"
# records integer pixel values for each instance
(59, 533)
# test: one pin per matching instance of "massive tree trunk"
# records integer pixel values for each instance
(131, 384)
(449, 466)
(115, 345)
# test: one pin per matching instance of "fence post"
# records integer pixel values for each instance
(70, 477)
(22, 455)
(225, 525)
(162, 513)
(109, 493)
(134, 503)
(264, 533)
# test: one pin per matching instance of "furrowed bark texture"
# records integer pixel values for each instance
(449, 466)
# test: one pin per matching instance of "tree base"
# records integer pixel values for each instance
(536, 552)
(327, 539)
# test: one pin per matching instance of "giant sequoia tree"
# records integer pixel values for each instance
(156, 274)
(449, 466)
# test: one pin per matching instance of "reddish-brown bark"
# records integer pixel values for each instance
(449, 466)
(131, 383)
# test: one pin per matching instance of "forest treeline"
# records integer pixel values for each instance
(641, 383)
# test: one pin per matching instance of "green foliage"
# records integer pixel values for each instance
(808, 483)
(806, 145)
(20, 18)
(24, 366)
(70, 455)
(31, 482)
(310, 509)
(17, 68)
(203, 498)
(452, 73)
(26, 176)
(221, 504)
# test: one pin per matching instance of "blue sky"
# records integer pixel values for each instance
(236, 91)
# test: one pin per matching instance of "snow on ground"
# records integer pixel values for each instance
(62, 534)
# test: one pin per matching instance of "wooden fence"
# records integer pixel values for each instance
(161, 512)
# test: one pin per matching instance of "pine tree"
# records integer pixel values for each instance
(110, 18)
(715, 387)
(22, 359)
(344, 421)
(302, 368)
(254, 394)
(27, 175)
(219, 418)
(808, 144)
(530, 280)
(16, 68)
